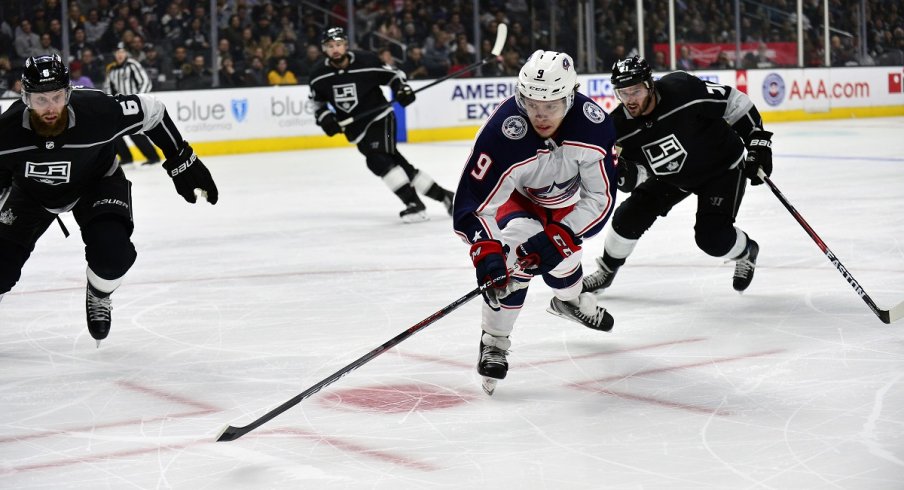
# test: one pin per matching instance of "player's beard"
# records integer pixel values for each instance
(339, 61)
(49, 130)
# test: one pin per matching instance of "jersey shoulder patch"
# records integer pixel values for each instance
(594, 112)
(514, 127)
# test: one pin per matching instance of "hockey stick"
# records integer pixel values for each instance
(231, 433)
(887, 316)
(501, 34)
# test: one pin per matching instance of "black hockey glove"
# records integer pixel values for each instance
(630, 175)
(759, 155)
(404, 95)
(330, 124)
(544, 251)
(188, 174)
(488, 257)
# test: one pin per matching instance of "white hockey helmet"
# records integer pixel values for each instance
(547, 75)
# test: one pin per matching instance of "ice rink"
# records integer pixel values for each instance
(303, 266)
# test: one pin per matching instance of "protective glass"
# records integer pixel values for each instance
(44, 100)
(543, 109)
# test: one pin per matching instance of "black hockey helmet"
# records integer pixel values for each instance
(334, 34)
(631, 71)
(45, 73)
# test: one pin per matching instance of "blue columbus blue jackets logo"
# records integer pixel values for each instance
(239, 109)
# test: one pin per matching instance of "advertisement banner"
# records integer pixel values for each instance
(703, 54)
(825, 89)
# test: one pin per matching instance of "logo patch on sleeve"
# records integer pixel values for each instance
(514, 127)
(594, 112)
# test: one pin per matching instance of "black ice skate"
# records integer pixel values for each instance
(98, 306)
(414, 213)
(588, 313)
(599, 280)
(745, 264)
(491, 361)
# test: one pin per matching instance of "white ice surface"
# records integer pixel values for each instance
(304, 266)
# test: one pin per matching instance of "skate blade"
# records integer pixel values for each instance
(489, 385)
(419, 217)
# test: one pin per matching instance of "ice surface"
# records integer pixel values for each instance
(303, 266)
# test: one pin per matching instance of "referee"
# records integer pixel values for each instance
(127, 77)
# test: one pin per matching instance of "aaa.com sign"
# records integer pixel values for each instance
(820, 88)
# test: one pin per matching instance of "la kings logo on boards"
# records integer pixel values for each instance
(52, 173)
(665, 155)
(345, 96)
(514, 127)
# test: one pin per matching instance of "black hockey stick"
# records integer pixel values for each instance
(501, 34)
(887, 316)
(231, 433)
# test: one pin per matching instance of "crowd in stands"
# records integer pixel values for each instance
(266, 42)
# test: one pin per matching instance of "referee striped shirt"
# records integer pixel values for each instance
(127, 79)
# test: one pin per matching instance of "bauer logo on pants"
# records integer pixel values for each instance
(346, 96)
(666, 155)
(53, 173)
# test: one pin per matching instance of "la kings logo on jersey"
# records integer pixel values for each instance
(345, 96)
(52, 173)
(665, 155)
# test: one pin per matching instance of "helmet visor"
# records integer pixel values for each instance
(543, 109)
(44, 100)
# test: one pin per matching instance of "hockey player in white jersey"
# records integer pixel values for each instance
(540, 179)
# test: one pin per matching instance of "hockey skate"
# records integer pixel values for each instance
(587, 312)
(491, 362)
(447, 201)
(601, 279)
(414, 213)
(745, 264)
(98, 306)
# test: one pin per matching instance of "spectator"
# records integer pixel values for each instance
(112, 36)
(229, 77)
(685, 62)
(5, 73)
(173, 23)
(153, 64)
(77, 77)
(659, 63)
(722, 62)
(136, 48)
(460, 60)
(46, 45)
(94, 27)
(311, 58)
(15, 90)
(179, 65)
(196, 75)
(414, 66)
(233, 31)
(385, 56)
(255, 75)
(438, 57)
(762, 56)
(196, 39)
(79, 43)
(27, 43)
(92, 67)
(511, 63)
(281, 75)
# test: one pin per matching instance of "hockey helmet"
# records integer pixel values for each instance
(334, 34)
(45, 73)
(547, 75)
(632, 71)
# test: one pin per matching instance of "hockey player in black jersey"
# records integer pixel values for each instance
(681, 136)
(57, 155)
(349, 81)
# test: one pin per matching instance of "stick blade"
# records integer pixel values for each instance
(894, 314)
(230, 433)
(501, 36)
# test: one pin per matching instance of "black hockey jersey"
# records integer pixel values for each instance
(354, 89)
(57, 171)
(697, 130)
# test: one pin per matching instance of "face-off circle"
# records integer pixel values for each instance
(395, 398)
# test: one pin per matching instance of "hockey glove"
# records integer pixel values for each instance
(330, 124)
(759, 155)
(188, 174)
(404, 95)
(544, 251)
(488, 257)
(630, 175)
